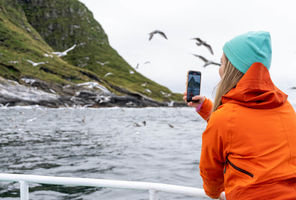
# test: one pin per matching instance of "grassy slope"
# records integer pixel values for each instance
(62, 24)
(20, 42)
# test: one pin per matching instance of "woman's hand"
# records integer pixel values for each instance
(198, 98)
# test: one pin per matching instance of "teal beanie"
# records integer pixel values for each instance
(246, 49)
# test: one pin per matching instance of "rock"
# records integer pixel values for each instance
(90, 94)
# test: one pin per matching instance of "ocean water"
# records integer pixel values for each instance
(134, 144)
(149, 144)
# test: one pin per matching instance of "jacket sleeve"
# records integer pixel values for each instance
(212, 160)
(206, 109)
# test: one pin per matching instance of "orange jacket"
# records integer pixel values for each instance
(249, 145)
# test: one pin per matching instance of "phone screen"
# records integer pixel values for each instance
(193, 84)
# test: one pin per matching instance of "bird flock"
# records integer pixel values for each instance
(59, 54)
(199, 42)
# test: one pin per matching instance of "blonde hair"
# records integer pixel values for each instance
(229, 79)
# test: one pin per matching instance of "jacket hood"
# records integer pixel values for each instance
(256, 90)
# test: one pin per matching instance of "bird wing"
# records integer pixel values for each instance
(198, 44)
(162, 33)
(70, 49)
(109, 73)
(206, 64)
(197, 39)
(214, 63)
(31, 62)
(151, 35)
(158, 32)
(209, 48)
(201, 57)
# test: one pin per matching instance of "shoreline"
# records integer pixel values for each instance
(90, 94)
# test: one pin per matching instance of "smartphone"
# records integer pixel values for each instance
(193, 84)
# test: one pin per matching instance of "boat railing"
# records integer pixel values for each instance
(152, 188)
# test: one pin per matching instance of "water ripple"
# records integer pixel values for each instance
(149, 144)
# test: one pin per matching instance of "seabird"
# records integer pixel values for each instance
(206, 61)
(137, 125)
(147, 90)
(200, 42)
(137, 67)
(147, 62)
(48, 55)
(108, 74)
(171, 126)
(4, 106)
(103, 63)
(171, 104)
(64, 53)
(35, 64)
(157, 32)
(13, 62)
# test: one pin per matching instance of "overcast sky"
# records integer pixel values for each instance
(128, 22)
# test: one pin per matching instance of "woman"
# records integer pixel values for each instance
(249, 145)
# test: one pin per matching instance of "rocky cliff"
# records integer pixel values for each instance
(90, 72)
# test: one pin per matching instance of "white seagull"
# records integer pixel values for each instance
(64, 53)
(103, 63)
(35, 64)
(108, 74)
(48, 55)
(148, 91)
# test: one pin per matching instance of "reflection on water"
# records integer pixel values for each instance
(148, 144)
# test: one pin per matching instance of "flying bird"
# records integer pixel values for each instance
(35, 64)
(103, 63)
(206, 61)
(200, 42)
(157, 32)
(64, 53)
(147, 62)
(108, 74)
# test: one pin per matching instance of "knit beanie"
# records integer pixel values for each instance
(246, 49)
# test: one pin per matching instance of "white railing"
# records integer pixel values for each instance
(153, 188)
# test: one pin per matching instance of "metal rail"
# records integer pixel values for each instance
(152, 188)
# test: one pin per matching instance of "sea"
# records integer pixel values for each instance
(159, 145)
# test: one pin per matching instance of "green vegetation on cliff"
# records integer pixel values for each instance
(30, 30)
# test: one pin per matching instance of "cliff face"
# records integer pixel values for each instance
(30, 30)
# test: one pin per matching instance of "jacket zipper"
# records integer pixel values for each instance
(237, 168)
